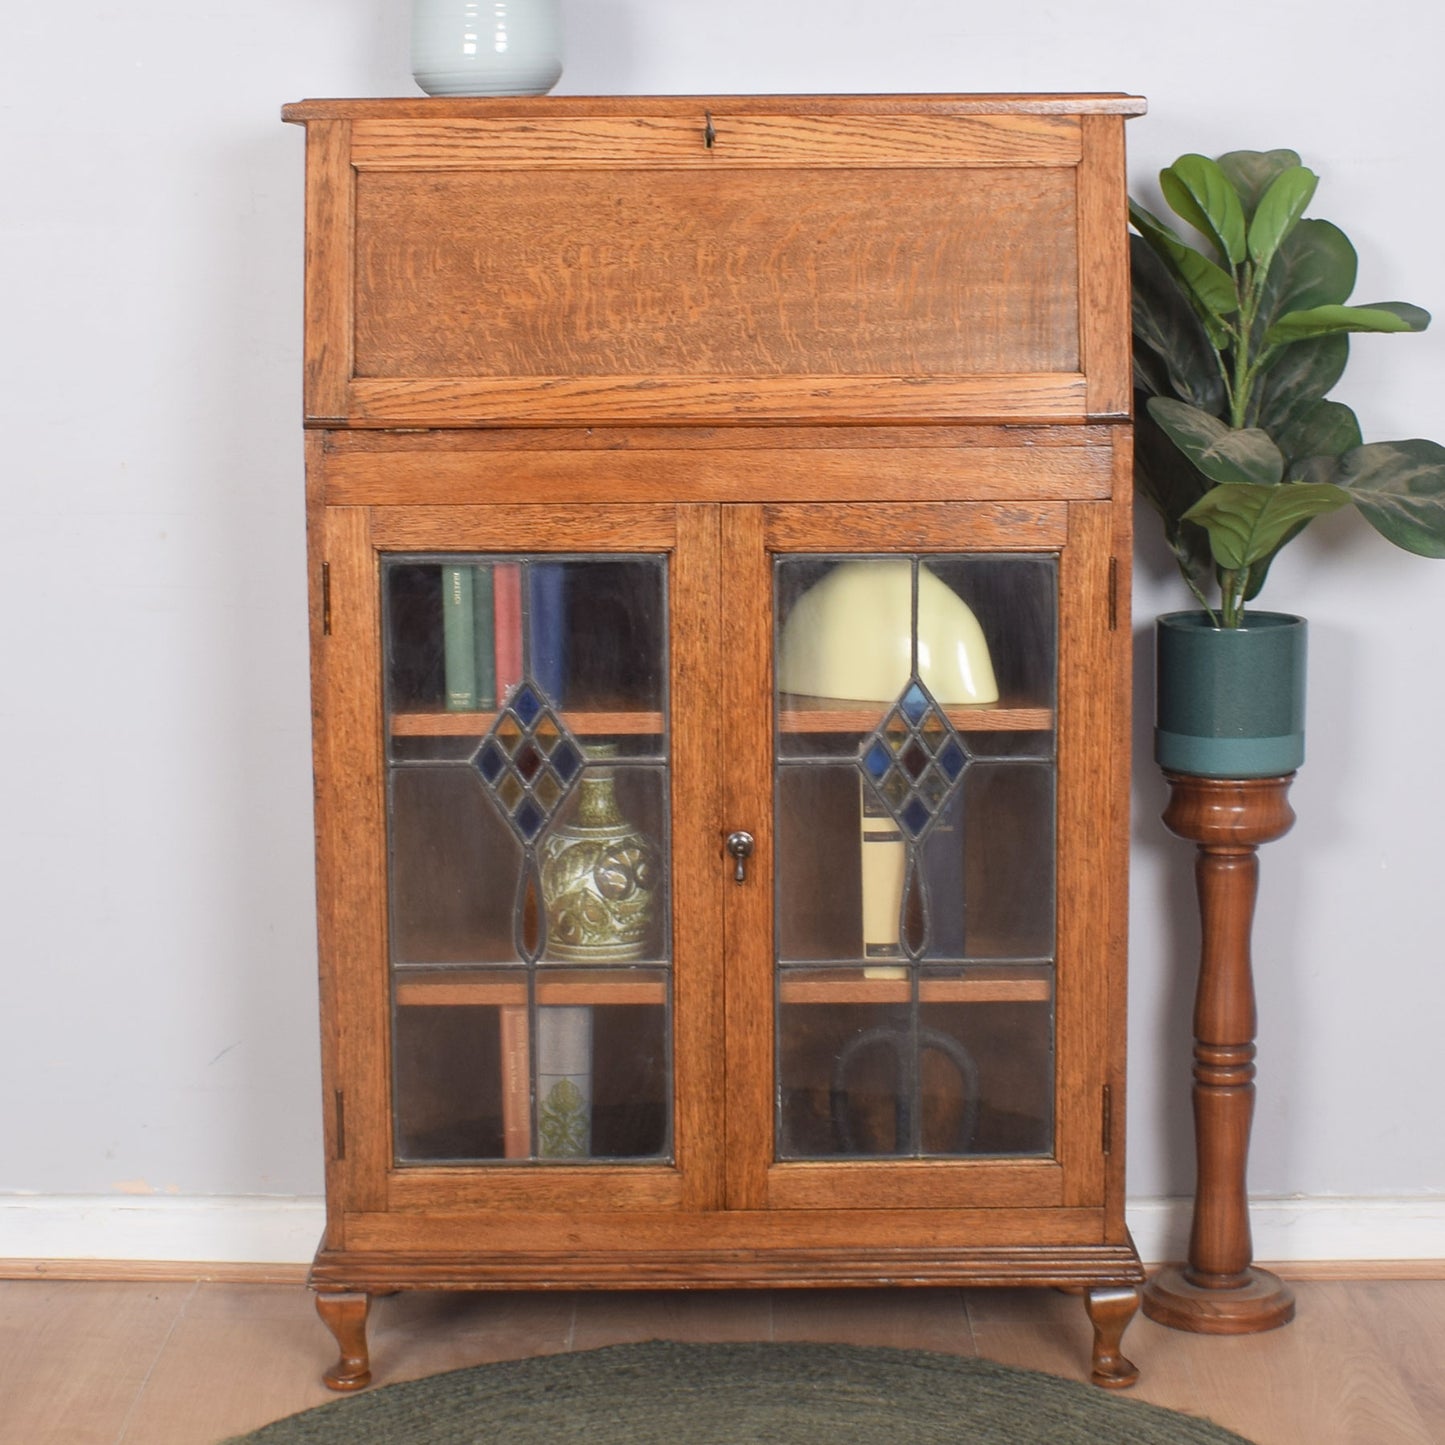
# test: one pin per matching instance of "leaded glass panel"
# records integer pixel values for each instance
(915, 829)
(528, 804)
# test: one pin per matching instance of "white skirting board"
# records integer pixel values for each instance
(1307, 1228)
(267, 1230)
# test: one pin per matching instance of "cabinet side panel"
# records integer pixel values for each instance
(1089, 855)
(1104, 324)
(1121, 758)
(329, 223)
(351, 863)
(319, 617)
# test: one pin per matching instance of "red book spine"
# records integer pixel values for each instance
(507, 615)
(516, 1082)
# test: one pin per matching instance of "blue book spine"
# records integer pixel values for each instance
(547, 628)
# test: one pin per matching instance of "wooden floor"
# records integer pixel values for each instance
(191, 1363)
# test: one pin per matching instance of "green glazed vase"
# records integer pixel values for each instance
(1231, 701)
(599, 877)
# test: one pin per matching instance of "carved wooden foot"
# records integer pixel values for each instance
(1110, 1310)
(345, 1316)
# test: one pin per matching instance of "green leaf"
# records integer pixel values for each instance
(1259, 571)
(1170, 482)
(1210, 289)
(1400, 489)
(1199, 192)
(1171, 346)
(1327, 429)
(1314, 266)
(1251, 172)
(1296, 378)
(1221, 452)
(1379, 316)
(1248, 523)
(1279, 211)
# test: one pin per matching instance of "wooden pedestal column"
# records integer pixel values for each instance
(1219, 1291)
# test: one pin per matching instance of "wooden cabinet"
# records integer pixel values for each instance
(719, 521)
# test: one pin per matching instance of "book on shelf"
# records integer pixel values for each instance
(943, 870)
(484, 633)
(516, 1048)
(459, 644)
(884, 867)
(547, 627)
(468, 638)
(564, 1081)
(883, 857)
(507, 627)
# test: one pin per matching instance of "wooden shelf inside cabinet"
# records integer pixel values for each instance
(434, 723)
(442, 988)
(846, 986)
(798, 714)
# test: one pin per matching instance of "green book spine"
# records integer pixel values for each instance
(459, 648)
(484, 614)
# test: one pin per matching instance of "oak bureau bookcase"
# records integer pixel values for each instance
(719, 518)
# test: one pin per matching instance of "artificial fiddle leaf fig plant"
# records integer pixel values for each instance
(1236, 347)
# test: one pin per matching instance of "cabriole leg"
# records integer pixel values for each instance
(1110, 1310)
(345, 1316)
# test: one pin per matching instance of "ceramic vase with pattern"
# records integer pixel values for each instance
(599, 877)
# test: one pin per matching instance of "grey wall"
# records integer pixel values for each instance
(155, 868)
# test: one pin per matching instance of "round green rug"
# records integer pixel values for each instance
(674, 1394)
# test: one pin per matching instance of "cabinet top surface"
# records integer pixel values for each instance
(422, 108)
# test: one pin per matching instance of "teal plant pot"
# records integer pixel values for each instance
(1231, 701)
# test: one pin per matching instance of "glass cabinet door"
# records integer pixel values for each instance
(914, 708)
(528, 809)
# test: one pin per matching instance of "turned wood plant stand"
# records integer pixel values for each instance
(1219, 1291)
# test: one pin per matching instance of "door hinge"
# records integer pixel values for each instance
(326, 599)
(1107, 1130)
(339, 1103)
(1113, 594)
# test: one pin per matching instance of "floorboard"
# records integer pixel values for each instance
(150, 1363)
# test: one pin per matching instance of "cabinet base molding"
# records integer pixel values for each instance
(981, 1266)
(1108, 1277)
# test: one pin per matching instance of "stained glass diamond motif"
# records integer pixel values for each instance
(529, 762)
(914, 760)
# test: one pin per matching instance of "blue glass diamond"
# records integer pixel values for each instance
(490, 762)
(877, 759)
(566, 760)
(914, 703)
(530, 819)
(951, 759)
(527, 705)
(915, 817)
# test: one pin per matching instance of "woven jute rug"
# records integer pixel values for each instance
(676, 1394)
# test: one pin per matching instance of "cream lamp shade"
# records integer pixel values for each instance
(850, 636)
